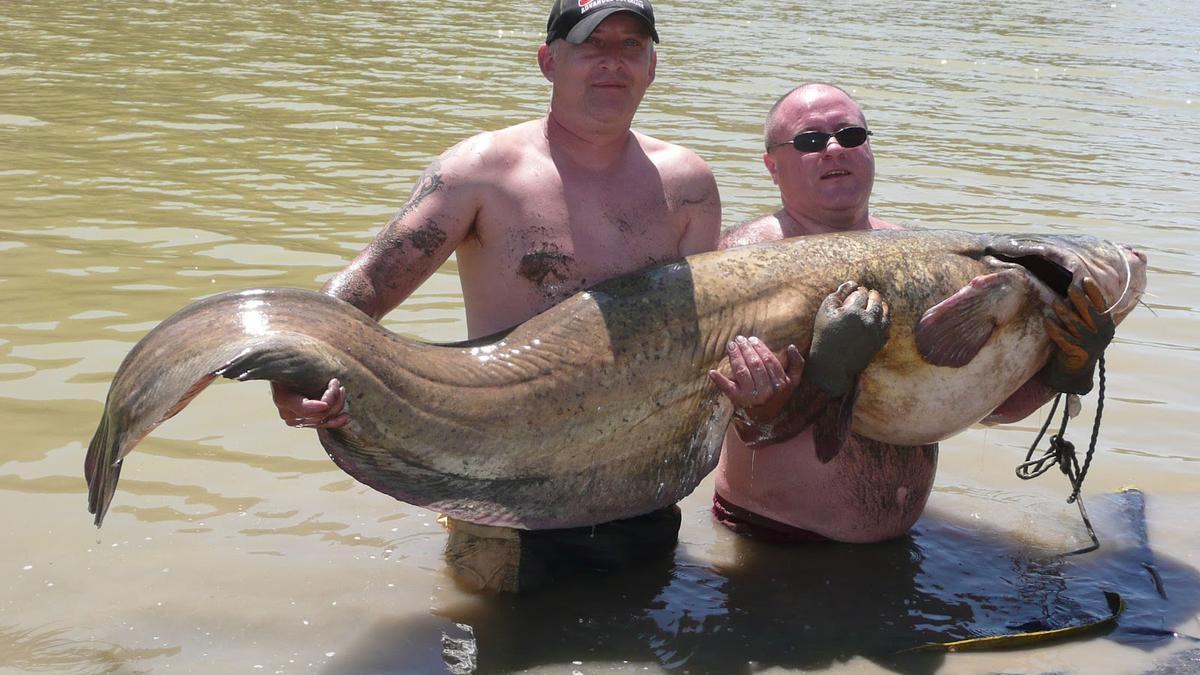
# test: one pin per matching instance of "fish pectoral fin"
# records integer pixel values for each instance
(832, 427)
(806, 403)
(953, 331)
(283, 359)
(810, 406)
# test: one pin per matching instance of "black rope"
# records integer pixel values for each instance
(1087, 460)
(1062, 453)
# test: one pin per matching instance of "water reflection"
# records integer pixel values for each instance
(808, 607)
(46, 649)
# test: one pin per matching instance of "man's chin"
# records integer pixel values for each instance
(612, 115)
(843, 202)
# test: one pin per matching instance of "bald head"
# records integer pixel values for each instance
(799, 101)
(825, 184)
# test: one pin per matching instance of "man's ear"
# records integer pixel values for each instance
(769, 162)
(653, 64)
(545, 58)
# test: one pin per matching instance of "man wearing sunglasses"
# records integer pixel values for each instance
(534, 213)
(818, 152)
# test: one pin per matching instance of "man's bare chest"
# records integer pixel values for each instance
(579, 238)
(561, 260)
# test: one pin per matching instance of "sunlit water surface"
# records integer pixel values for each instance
(154, 153)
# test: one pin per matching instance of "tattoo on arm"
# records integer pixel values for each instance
(360, 294)
(702, 199)
(430, 182)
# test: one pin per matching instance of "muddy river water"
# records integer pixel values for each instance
(153, 153)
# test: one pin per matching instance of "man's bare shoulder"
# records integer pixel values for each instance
(673, 160)
(689, 187)
(494, 150)
(519, 137)
(763, 228)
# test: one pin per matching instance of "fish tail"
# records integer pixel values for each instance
(170, 366)
(102, 467)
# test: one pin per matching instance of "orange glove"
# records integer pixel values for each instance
(1081, 332)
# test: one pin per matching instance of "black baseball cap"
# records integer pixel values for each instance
(574, 20)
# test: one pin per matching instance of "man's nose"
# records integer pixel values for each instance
(610, 57)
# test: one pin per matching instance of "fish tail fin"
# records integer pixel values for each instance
(121, 429)
(102, 467)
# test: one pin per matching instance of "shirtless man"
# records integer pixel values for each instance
(536, 212)
(818, 152)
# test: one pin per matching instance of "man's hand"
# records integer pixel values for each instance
(761, 384)
(1081, 332)
(327, 412)
(850, 328)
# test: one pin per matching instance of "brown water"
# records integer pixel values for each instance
(153, 153)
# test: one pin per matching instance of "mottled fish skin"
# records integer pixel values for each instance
(599, 408)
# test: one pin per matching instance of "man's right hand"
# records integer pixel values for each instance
(296, 410)
(851, 327)
(761, 382)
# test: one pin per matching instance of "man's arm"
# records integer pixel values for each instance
(701, 202)
(408, 250)
(436, 218)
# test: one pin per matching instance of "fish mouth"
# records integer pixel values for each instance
(1055, 262)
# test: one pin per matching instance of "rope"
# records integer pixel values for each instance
(1062, 453)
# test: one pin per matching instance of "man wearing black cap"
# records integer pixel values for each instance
(534, 213)
(574, 20)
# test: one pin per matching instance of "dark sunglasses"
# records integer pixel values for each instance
(815, 141)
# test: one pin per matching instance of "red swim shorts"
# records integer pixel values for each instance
(760, 528)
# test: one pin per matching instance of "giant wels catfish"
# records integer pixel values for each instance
(600, 408)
